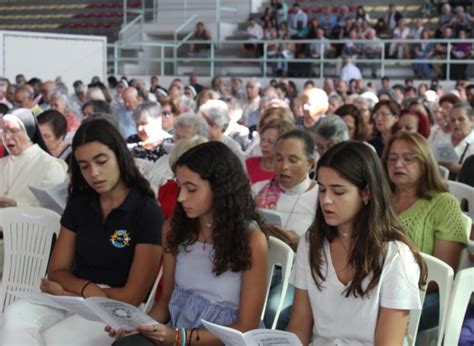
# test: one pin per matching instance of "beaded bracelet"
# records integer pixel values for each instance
(84, 288)
(176, 338)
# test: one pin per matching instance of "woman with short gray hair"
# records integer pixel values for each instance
(60, 102)
(216, 114)
(188, 125)
(329, 131)
(147, 143)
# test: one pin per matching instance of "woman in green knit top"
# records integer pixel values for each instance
(431, 216)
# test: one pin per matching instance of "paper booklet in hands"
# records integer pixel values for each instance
(52, 197)
(110, 311)
(258, 337)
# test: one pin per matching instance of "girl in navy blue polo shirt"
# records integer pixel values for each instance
(215, 258)
(110, 239)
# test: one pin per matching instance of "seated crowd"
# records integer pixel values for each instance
(281, 22)
(184, 178)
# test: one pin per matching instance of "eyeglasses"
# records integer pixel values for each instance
(13, 132)
(166, 114)
(381, 114)
(407, 158)
(460, 120)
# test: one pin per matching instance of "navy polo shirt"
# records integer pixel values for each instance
(105, 249)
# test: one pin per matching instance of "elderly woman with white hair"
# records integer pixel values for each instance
(147, 143)
(327, 132)
(216, 114)
(60, 102)
(188, 125)
(28, 162)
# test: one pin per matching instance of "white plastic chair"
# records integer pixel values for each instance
(28, 235)
(150, 301)
(444, 172)
(281, 254)
(463, 193)
(442, 274)
(460, 298)
(464, 261)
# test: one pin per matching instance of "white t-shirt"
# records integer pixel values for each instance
(465, 148)
(351, 321)
(350, 71)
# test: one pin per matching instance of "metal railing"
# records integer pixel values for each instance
(190, 7)
(217, 57)
(127, 11)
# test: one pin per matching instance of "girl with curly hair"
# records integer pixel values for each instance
(355, 267)
(215, 258)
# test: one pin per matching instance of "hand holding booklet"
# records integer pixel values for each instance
(445, 152)
(110, 311)
(259, 337)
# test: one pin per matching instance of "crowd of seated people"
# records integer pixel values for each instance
(281, 22)
(188, 176)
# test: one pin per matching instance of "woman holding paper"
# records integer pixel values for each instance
(215, 259)
(462, 136)
(355, 257)
(293, 196)
(430, 215)
(109, 241)
(28, 162)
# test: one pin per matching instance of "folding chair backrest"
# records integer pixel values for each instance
(460, 298)
(463, 193)
(464, 261)
(151, 296)
(442, 274)
(444, 172)
(28, 235)
(279, 253)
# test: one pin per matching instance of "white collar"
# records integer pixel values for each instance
(299, 188)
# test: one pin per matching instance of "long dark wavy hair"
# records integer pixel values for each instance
(374, 225)
(101, 130)
(234, 208)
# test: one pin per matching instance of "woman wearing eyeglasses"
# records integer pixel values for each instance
(169, 111)
(147, 143)
(430, 215)
(385, 116)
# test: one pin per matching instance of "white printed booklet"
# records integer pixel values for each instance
(112, 312)
(257, 337)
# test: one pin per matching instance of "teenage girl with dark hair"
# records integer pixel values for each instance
(110, 234)
(356, 274)
(215, 258)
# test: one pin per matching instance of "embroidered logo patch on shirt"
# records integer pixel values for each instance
(120, 238)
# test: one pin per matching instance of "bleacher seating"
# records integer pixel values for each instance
(90, 17)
